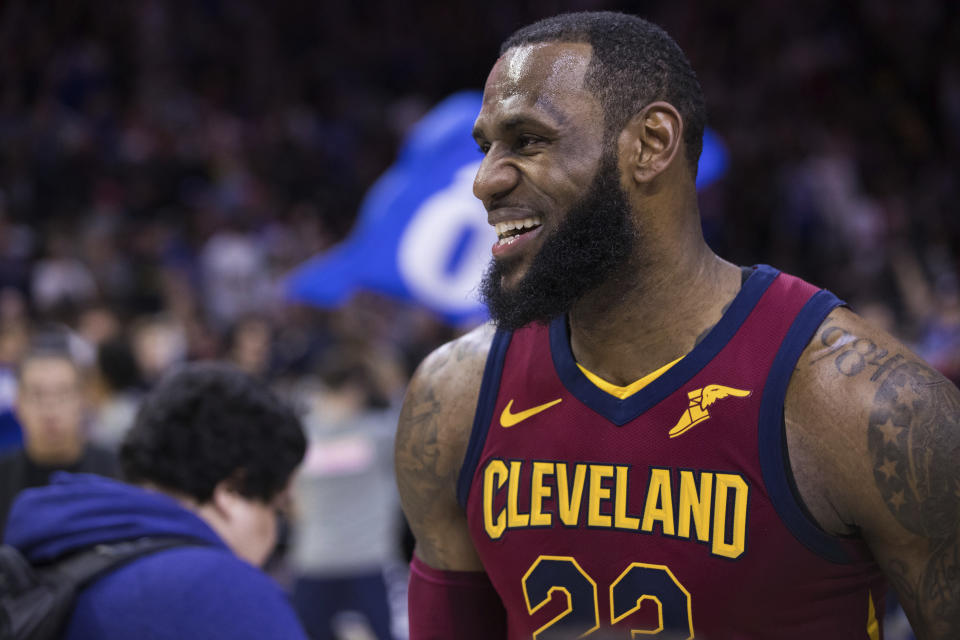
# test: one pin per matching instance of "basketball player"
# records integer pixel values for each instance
(653, 441)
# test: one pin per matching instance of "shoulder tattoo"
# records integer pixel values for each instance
(433, 429)
(418, 450)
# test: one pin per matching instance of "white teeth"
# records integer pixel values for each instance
(509, 225)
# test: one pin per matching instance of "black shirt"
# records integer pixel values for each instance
(18, 472)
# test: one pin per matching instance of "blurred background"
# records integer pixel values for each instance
(166, 165)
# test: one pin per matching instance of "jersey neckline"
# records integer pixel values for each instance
(620, 411)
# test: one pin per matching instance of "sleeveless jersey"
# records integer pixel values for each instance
(671, 512)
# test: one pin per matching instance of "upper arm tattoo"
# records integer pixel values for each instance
(417, 450)
(852, 355)
(913, 437)
(423, 477)
(432, 435)
(417, 447)
(913, 440)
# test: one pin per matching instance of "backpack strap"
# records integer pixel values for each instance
(85, 566)
(36, 601)
(17, 573)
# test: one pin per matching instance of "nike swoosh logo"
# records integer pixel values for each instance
(508, 419)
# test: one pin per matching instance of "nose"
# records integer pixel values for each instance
(496, 176)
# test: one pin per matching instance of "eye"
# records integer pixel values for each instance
(483, 147)
(526, 141)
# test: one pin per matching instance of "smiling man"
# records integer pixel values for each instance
(649, 439)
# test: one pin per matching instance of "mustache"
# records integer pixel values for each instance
(512, 202)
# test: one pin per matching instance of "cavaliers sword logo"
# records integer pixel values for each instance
(700, 399)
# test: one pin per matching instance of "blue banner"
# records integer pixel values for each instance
(421, 235)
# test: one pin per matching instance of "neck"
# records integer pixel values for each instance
(63, 456)
(653, 313)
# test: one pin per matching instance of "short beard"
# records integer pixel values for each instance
(592, 246)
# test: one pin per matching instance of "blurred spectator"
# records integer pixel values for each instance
(50, 404)
(250, 345)
(16, 247)
(60, 278)
(234, 275)
(346, 503)
(14, 339)
(159, 342)
(120, 388)
(939, 342)
(98, 324)
(934, 310)
(150, 167)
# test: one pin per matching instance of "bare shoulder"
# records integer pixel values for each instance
(837, 376)
(874, 439)
(432, 438)
(441, 399)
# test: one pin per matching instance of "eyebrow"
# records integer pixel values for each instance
(517, 121)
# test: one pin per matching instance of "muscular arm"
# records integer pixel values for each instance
(432, 438)
(874, 440)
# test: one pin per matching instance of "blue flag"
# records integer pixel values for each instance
(421, 235)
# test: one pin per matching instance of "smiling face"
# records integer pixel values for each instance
(541, 134)
(550, 186)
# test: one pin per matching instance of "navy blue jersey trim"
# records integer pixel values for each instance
(622, 411)
(774, 462)
(486, 403)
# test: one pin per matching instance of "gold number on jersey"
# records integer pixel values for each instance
(639, 583)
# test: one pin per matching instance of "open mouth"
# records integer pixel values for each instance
(508, 232)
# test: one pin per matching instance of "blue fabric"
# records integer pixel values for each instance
(420, 235)
(320, 600)
(185, 592)
(10, 435)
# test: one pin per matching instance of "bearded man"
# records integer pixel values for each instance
(649, 439)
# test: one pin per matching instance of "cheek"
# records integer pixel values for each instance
(257, 533)
(264, 533)
(269, 528)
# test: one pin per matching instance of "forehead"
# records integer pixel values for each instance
(543, 80)
(47, 369)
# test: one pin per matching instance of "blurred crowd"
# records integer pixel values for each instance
(163, 165)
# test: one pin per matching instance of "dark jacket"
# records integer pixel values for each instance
(200, 591)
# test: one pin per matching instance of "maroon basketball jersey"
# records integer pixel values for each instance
(671, 512)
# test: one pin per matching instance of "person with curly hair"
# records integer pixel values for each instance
(209, 460)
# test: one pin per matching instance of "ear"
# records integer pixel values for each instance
(225, 497)
(650, 142)
(221, 501)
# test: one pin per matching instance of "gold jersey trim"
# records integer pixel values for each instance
(630, 389)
